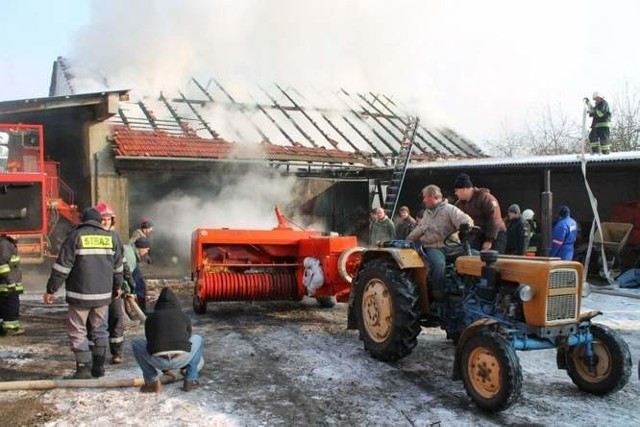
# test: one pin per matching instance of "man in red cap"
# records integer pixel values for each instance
(116, 308)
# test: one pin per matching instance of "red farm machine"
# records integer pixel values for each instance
(32, 208)
(271, 265)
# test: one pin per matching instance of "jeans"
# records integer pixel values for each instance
(151, 364)
(436, 264)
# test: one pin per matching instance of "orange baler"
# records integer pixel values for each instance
(271, 265)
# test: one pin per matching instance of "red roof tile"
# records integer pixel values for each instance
(137, 143)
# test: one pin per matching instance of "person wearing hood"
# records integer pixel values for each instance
(405, 224)
(564, 235)
(484, 208)
(440, 219)
(169, 345)
(90, 265)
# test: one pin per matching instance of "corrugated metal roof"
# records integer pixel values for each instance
(547, 160)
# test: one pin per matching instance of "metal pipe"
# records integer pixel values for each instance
(546, 216)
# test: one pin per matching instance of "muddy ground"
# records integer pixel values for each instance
(293, 363)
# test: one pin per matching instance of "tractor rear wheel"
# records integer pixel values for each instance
(386, 309)
(491, 371)
(610, 368)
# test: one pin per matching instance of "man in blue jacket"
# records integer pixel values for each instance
(90, 266)
(565, 233)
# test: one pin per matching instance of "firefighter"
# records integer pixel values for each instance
(116, 308)
(10, 286)
(600, 125)
(90, 266)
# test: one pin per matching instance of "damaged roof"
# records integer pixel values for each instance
(330, 126)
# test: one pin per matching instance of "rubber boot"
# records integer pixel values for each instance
(99, 354)
(83, 366)
(116, 353)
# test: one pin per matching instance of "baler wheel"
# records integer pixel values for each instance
(199, 306)
(349, 263)
(327, 301)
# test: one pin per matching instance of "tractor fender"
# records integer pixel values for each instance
(342, 262)
(464, 337)
(588, 315)
(403, 258)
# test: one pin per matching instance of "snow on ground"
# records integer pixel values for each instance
(287, 363)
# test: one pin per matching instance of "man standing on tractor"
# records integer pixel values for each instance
(600, 125)
(10, 286)
(484, 208)
(440, 220)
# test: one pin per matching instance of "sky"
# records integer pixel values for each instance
(478, 66)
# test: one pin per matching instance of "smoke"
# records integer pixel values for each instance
(243, 199)
(466, 64)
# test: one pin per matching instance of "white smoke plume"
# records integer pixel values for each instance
(466, 64)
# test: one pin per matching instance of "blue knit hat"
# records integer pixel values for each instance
(462, 181)
(91, 214)
(564, 211)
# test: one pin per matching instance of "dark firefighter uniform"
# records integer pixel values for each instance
(10, 286)
(90, 266)
(600, 125)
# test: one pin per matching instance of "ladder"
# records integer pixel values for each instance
(400, 165)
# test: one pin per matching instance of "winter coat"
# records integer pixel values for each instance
(483, 207)
(10, 273)
(564, 235)
(167, 328)
(90, 266)
(601, 115)
(404, 227)
(381, 230)
(437, 223)
(518, 234)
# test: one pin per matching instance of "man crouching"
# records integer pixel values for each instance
(169, 345)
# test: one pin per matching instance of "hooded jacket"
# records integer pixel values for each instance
(167, 329)
(89, 264)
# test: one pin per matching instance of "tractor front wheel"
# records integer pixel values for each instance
(386, 310)
(491, 371)
(607, 370)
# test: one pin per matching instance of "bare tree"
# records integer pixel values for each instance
(551, 133)
(625, 126)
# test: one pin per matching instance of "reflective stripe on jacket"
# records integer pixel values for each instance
(89, 264)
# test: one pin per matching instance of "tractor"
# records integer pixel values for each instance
(494, 305)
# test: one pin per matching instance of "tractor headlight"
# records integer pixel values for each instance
(526, 293)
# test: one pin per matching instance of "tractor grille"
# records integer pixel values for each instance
(562, 301)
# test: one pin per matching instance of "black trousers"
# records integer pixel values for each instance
(10, 307)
